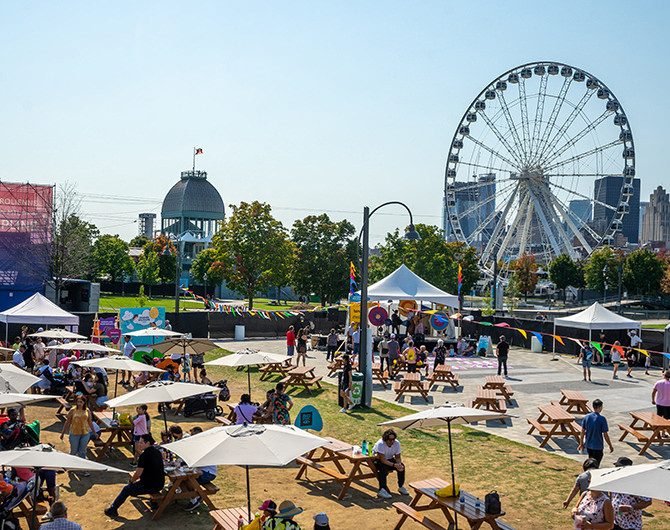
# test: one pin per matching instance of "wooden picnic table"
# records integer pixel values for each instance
(562, 423)
(651, 422)
(185, 481)
(425, 499)
(117, 435)
(487, 399)
(302, 376)
(337, 452)
(378, 374)
(497, 383)
(338, 364)
(271, 369)
(443, 373)
(229, 518)
(575, 402)
(411, 383)
(400, 365)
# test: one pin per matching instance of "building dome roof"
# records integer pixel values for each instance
(193, 197)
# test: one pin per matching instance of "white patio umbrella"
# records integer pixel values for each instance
(83, 345)
(644, 480)
(246, 445)
(14, 379)
(155, 332)
(10, 399)
(446, 414)
(57, 333)
(161, 392)
(43, 456)
(118, 362)
(248, 358)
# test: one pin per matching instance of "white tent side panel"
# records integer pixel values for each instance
(38, 310)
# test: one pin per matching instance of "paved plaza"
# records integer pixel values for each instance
(536, 379)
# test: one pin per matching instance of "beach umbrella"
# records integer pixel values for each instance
(14, 379)
(6, 352)
(57, 333)
(439, 416)
(83, 345)
(246, 445)
(161, 392)
(155, 332)
(118, 362)
(44, 456)
(644, 480)
(184, 345)
(248, 358)
(11, 399)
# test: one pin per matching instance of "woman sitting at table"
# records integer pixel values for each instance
(594, 510)
(100, 389)
(264, 413)
(244, 412)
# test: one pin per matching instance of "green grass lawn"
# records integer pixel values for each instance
(654, 326)
(114, 303)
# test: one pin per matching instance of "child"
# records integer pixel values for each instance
(647, 364)
(141, 426)
(203, 377)
(186, 368)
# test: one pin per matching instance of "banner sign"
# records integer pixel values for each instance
(137, 318)
(26, 208)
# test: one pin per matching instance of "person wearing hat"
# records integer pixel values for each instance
(286, 512)
(628, 508)
(502, 351)
(321, 522)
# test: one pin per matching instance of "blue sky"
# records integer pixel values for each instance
(309, 106)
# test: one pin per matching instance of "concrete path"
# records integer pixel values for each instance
(535, 379)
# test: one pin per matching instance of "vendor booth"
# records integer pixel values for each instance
(38, 311)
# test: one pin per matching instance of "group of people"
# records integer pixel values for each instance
(296, 344)
(590, 355)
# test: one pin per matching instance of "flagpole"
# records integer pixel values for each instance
(194, 160)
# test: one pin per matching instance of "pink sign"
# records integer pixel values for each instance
(114, 334)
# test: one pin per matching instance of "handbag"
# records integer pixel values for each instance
(492, 503)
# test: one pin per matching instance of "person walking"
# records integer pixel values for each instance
(594, 429)
(79, 425)
(356, 340)
(395, 322)
(502, 352)
(660, 396)
(331, 345)
(290, 341)
(280, 406)
(388, 458)
(128, 351)
(384, 353)
(616, 352)
(302, 347)
(394, 352)
(440, 353)
(345, 384)
(586, 357)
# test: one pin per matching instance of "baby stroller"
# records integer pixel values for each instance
(203, 403)
(21, 491)
(224, 394)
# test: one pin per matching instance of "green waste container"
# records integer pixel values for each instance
(357, 379)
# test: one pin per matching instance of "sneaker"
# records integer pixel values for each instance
(383, 494)
(628, 375)
(193, 504)
(343, 409)
(403, 490)
(111, 512)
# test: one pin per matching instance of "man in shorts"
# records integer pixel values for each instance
(197, 363)
(290, 341)
(586, 357)
(660, 396)
(128, 351)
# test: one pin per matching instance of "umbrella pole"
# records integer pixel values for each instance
(35, 488)
(248, 494)
(163, 405)
(249, 379)
(451, 460)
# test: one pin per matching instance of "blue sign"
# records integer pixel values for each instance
(309, 418)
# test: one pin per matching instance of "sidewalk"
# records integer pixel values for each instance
(535, 380)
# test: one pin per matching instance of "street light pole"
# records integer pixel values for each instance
(204, 277)
(177, 273)
(365, 356)
(606, 271)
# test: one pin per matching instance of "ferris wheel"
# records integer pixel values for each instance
(542, 163)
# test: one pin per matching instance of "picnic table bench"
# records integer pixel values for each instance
(302, 376)
(271, 369)
(183, 486)
(66, 401)
(497, 383)
(651, 422)
(554, 421)
(575, 402)
(338, 364)
(443, 373)
(117, 435)
(229, 518)
(399, 365)
(338, 453)
(426, 499)
(411, 383)
(379, 375)
(487, 399)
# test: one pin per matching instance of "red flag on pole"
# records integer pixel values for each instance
(198, 151)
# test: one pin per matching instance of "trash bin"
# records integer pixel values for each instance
(535, 345)
(357, 379)
(239, 332)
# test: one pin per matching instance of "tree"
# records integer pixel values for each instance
(525, 276)
(565, 272)
(148, 269)
(594, 268)
(110, 256)
(465, 256)
(207, 262)
(167, 263)
(139, 241)
(321, 264)
(254, 249)
(643, 272)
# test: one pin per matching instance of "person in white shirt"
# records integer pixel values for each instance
(52, 354)
(635, 342)
(388, 458)
(128, 351)
(18, 359)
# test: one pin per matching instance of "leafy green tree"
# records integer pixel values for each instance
(72, 249)
(594, 268)
(110, 257)
(255, 250)
(167, 262)
(321, 263)
(525, 274)
(565, 272)
(139, 241)
(465, 256)
(148, 269)
(643, 272)
(207, 262)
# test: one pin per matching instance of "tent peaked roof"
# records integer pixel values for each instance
(403, 284)
(38, 310)
(597, 317)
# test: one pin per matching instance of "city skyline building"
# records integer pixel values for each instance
(656, 220)
(607, 191)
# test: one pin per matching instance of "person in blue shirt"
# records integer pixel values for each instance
(586, 357)
(594, 429)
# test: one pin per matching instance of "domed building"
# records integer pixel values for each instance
(192, 213)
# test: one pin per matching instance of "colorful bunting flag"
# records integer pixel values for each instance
(559, 339)
(460, 279)
(523, 332)
(597, 346)
(643, 352)
(538, 336)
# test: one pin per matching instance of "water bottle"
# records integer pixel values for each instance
(240, 522)
(364, 447)
(477, 504)
(462, 500)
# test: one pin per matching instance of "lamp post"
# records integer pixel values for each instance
(620, 278)
(606, 271)
(365, 363)
(177, 270)
(204, 277)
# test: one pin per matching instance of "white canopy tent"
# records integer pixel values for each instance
(597, 317)
(403, 284)
(38, 310)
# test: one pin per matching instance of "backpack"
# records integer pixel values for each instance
(33, 433)
(492, 503)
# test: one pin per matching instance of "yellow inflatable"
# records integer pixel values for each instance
(450, 490)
